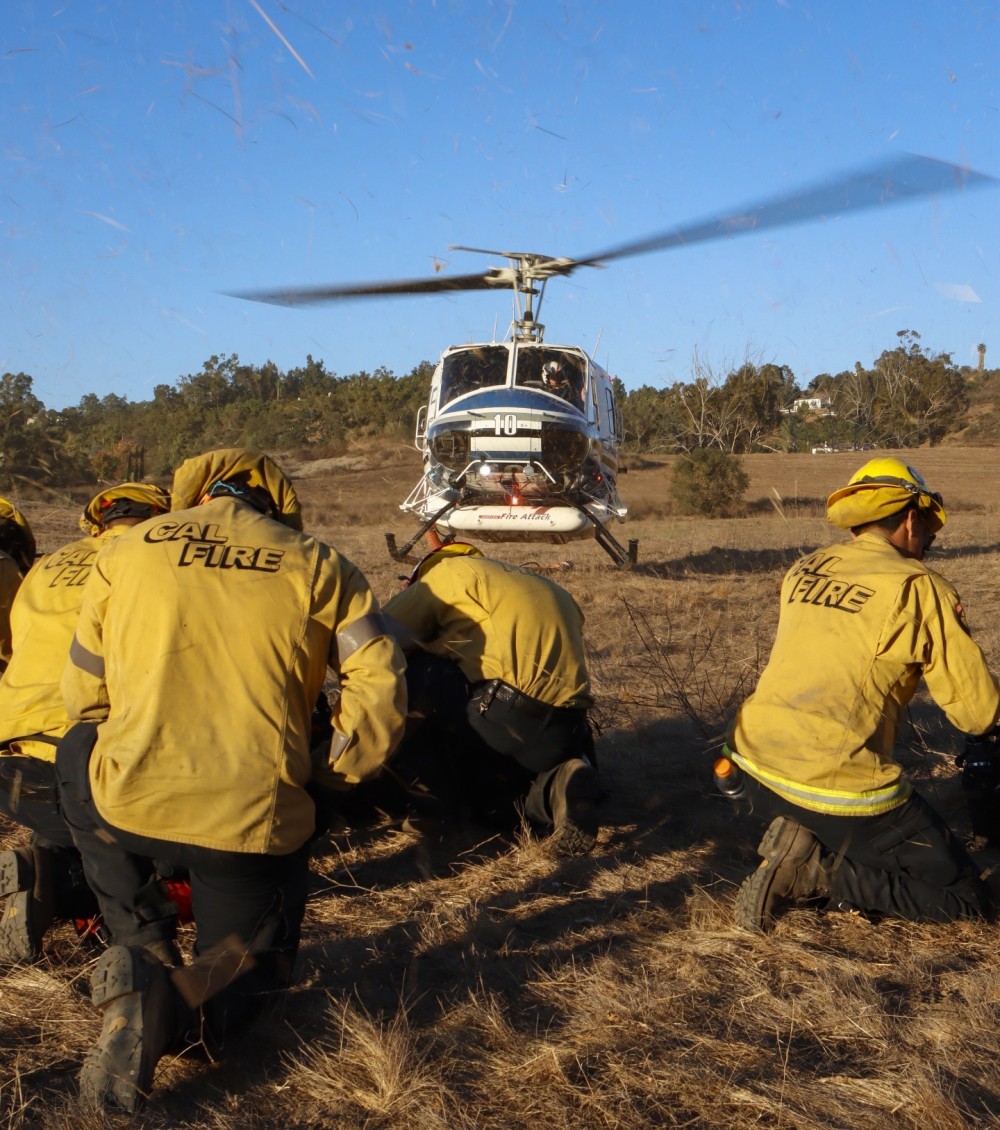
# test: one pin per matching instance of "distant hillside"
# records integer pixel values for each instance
(982, 428)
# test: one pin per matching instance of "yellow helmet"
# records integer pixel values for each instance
(436, 556)
(253, 470)
(881, 488)
(126, 500)
(16, 538)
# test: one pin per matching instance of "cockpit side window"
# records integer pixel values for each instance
(553, 371)
(473, 369)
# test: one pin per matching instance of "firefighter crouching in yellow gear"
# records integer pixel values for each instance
(17, 553)
(496, 671)
(860, 624)
(44, 881)
(202, 752)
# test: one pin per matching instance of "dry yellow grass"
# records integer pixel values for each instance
(479, 982)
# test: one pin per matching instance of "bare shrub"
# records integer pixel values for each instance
(691, 668)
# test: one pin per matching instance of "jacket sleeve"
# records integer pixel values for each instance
(954, 666)
(83, 683)
(370, 713)
(414, 609)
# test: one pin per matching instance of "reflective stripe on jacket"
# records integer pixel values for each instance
(832, 801)
(859, 625)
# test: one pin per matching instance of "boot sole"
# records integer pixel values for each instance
(577, 825)
(19, 940)
(16, 873)
(750, 901)
(777, 843)
(571, 839)
(118, 1070)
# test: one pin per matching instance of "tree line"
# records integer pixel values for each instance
(309, 410)
(908, 397)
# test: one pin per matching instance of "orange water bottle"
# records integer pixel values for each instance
(729, 779)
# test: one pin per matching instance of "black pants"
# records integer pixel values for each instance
(29, 796)
(258, 898)
(488, 749)
(905, 863)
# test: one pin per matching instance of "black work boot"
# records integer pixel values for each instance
(791, 871)
(573, 796)
(142, 1016)
(27, 907)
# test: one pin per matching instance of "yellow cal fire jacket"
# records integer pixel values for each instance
(500, 622)
(43, 621)
(201, 648)
(859, 625)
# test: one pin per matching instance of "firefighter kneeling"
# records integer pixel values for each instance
(43, 881)
(860, 624)
(194, 748)
(498, 685)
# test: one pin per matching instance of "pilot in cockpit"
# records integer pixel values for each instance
(564, 382)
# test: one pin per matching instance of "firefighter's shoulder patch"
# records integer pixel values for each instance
(960, 617)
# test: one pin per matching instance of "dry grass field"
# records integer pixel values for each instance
(479, 982)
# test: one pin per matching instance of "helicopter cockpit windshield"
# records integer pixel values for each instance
(469, 370)
(555, 371)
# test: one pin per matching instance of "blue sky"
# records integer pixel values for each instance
(157, 154)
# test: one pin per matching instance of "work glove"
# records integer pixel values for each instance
(980, 761)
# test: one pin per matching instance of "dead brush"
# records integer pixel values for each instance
(367, 1071)
(692, 669)
(476, 983)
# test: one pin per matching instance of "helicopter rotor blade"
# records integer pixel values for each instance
(891, 182)
(531, 256)
(305, 296)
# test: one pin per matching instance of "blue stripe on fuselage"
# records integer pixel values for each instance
(510, 400)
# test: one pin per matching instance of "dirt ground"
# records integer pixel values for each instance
(474, 980)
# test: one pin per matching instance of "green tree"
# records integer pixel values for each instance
(31, 439)
(918, 398)
(709, 482)
(752, 400)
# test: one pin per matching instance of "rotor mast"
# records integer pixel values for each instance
(527, 268)
(525, 326)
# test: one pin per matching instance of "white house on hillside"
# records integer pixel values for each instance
(813, 404)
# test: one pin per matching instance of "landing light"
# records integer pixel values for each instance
(485, 470)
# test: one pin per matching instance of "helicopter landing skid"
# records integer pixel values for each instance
(402, 553)
(622, 557)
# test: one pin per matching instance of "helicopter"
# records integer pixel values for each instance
(521, 439)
